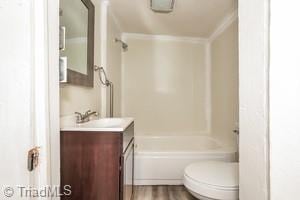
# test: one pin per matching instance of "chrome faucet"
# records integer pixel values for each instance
(82, 118)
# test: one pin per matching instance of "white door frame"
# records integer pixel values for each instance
(54, 106)
(254, 99)
(40, 176)
(254, 91)
(45, 40)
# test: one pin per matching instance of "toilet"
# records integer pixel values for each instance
(212, 180)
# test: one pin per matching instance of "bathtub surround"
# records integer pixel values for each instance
(157, 65)
(165, 85)
(224, 84)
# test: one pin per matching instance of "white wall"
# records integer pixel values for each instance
(253, 80)
(165, 86)
(76, 98)
(16, 84)
(285, 100)
(224, 84)
(107, 54)
(24, 86)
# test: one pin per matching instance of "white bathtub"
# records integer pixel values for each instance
(161, 160)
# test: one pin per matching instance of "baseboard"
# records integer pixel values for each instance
(157, 182)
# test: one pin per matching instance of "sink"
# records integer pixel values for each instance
(102, 124)
(106, 123)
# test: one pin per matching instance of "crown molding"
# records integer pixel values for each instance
(164, 38)
(225, 23)
(220, 28)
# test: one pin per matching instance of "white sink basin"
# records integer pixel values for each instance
(102, 124)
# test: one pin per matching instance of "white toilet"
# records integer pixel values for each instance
(212, 180)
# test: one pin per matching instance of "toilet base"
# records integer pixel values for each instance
(200, 197)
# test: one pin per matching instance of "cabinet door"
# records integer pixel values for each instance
(128, 163)
(91, 165)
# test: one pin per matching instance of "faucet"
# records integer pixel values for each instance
(82, 118)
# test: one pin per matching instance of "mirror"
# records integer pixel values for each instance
(77, 41)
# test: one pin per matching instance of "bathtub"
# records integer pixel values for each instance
(161, 160)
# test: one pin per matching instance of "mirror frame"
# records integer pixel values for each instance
(74, 77)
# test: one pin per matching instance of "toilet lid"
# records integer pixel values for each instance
(215, 173)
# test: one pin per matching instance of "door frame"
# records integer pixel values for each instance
(54, 104)
(254, 26)
(254, 58)
(43, 49)
(45, 44)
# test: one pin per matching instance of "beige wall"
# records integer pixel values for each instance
(224, 83)
(164, 87)
(76, 98)
(114, 52)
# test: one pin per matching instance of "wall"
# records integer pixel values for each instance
(224, 83)
(253, 81)
(76, 98)
(165, 86)
(284, 101)
(16, 86)
(107, 54)
(24, 100)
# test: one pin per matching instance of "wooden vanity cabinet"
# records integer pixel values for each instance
(98, 165)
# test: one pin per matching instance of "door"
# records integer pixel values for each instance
(23, 97)
(90, 164)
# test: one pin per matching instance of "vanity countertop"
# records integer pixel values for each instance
(97, 125)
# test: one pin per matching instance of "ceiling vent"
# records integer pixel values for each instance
(163, 6)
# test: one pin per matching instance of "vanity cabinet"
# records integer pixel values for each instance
(98, 165)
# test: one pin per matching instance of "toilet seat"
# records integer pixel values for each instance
(212, 180)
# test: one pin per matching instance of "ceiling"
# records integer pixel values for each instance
(190, 18)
